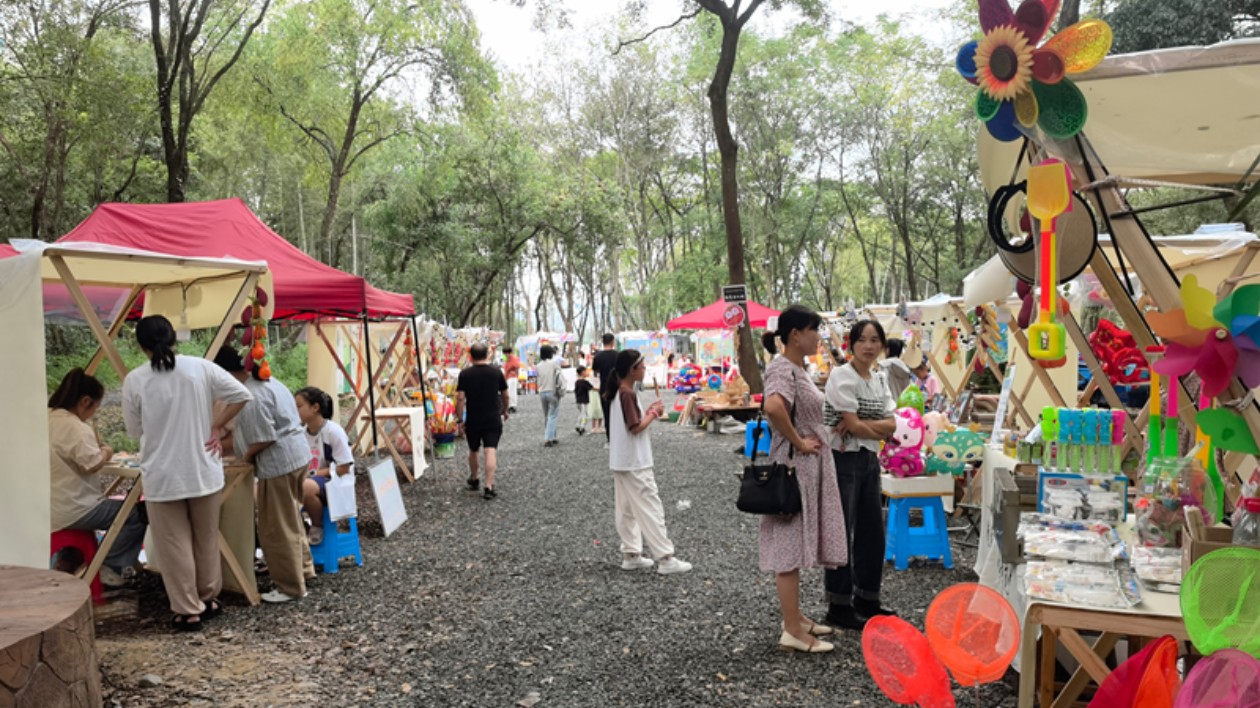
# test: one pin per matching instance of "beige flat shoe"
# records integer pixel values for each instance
(817, 630)
(789, 643)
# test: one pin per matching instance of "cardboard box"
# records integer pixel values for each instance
(1214, 539)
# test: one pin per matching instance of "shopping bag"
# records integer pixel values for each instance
(340, 491)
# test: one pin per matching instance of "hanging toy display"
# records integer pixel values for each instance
(1049, 196)
(1023, 85)
(688, 379)
(1122, 361)
(952, 347)
(1218, 341)
(254, 335)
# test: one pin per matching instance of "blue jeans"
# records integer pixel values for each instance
(126, 549)
(551, 409)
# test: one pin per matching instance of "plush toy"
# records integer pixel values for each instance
(688, 379)
(903, 454)
(912, 397)
(953, 450)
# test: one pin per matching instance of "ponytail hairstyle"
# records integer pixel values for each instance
(627, 359)
(794, 318)
(316, 397)
(855, 333)
(73, 387)
(156, 335)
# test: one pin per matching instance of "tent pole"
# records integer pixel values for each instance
(367, 358)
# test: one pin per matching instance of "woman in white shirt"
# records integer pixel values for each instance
(76, 456)
(860, 407)
(168, 404)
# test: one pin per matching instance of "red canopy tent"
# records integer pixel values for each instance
(710, 317)
(304, 287)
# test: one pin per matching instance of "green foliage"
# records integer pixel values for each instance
(1143, 25)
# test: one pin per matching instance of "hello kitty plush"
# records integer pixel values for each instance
(903, 453)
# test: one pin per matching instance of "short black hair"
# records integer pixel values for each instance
(479, 352)
(855, 333)
(507, 350)
(581, 370)
(546, 351)
(608, 339)
(895, 347)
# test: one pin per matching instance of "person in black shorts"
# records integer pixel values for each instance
(605, 364)
(582, 395)
(483, 392)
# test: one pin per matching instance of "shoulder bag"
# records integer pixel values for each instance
(770, 488)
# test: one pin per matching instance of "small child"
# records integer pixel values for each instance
(330, 450)
(582, 394)
(640, 516)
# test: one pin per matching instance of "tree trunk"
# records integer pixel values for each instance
(728, 150)
(1070, 14)
(330, 217)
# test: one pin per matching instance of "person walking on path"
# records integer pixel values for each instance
(168, 404)
(605, 365)
(639, 515)
(511, 372)
(550, 388)
(861, 408)
(582, 396)
(269, 436)
(483, 392)
(815, 537)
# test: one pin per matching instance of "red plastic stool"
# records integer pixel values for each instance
(85, 543)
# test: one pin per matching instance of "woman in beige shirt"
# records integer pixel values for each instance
(76, 456)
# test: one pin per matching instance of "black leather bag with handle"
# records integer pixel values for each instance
(770, 488)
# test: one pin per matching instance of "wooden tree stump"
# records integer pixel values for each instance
(47, 641)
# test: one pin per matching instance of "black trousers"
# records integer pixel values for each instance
(857, 473)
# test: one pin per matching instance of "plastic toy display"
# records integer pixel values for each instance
(688, 379)
(1227, 679)
(974, 632)
(1026, 85)
(1218, 341)
(953, 450)
(1148, 679)
(901, 662)
(1122, 361)
(1220, 600)
(1049, 196)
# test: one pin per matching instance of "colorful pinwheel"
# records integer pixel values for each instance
(1023, 84)
(1218, 341)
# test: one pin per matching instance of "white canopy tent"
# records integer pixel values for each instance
(205, 287)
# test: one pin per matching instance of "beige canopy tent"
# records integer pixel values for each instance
(210, 292)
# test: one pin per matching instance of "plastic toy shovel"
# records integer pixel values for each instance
(1049, 196)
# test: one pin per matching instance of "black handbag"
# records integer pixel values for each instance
(769, 488)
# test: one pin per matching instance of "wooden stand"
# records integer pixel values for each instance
(47, 642)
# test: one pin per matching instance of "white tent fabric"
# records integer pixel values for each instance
(24, 505)
(1189, 115)
(192, 292)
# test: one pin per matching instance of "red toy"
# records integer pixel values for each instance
(1122, 361)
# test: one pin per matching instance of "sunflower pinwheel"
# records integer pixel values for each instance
(1218, 341)
(1024, 84)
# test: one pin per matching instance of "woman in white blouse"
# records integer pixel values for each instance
(168, 404)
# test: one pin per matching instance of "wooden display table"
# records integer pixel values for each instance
(47, 642)
(1158, 614)
(741, 413)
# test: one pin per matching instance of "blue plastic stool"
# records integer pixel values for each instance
(337, 545)
(763, 442)
(930, 540)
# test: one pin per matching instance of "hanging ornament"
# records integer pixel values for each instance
(1026, 85)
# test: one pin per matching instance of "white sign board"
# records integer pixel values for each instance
(388, 496)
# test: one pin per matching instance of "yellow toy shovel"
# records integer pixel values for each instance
(1049, 196)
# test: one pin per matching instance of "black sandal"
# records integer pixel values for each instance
(181, 623)
(214, 608)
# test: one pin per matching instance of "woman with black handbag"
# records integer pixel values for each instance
(815, 537)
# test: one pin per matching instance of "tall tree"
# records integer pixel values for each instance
(344, 62)
(191, 58)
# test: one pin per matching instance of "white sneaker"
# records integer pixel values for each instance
(636, 563)
(277, 596)
(111, 579)
(673, 565)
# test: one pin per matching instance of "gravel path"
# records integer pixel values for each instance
(487, 603)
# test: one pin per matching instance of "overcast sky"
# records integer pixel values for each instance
(509, 36)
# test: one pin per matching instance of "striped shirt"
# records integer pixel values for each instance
(869, 398)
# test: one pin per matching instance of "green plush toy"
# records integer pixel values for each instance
(954, 450)
(912, 397)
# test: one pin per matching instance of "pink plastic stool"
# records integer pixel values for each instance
(85, 543)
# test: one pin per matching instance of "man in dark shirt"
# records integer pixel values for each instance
(604, 364)
(484, 392)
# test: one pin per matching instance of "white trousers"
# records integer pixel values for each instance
(640, 516)
(512, 383)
